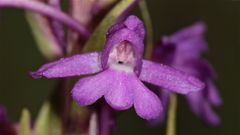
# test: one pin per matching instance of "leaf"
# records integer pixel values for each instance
(44, 37)
(47, 123)
(97, 40)
(25, 123)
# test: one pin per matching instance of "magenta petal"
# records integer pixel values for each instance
(88, 90)
(164, 97)
(209, 116)
(183, 45)
(72, 66)
(169, 78)
(146, 103)
(131, 30)
(195, 100)
(213, 94)
(192, 32)
(202, 109)
(120, 94)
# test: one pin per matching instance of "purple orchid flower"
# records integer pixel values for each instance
(119, 70)
(183, 50)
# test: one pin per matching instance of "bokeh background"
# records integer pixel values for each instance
(19, 55)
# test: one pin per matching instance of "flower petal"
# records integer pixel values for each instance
(169, 78)
(72, 66)
(132, 31)
(192, 32)
(164, 97)
(120, 94)
(202, 109)
(185, 44)
(189, 49)
(200, 68)
(88, 90)
(209, 116)
(146, 103)
(213, 94)
(194, 101)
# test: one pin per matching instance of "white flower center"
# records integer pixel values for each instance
(122, 57)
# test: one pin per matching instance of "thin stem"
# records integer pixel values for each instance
(66, 104)
(93, 124)
(49, 11)
(171, 120)
(147, 20)
(106, 120)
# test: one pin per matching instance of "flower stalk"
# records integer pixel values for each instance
(149, 30)
(172, 114)
(106, 120)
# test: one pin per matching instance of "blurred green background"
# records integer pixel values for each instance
(19, 55)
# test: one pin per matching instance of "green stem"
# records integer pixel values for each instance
(171, 120)
(148, 24)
